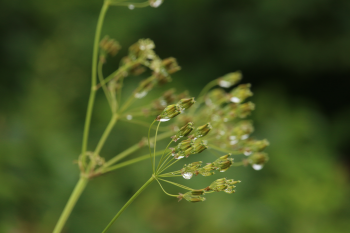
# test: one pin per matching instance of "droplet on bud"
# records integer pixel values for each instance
(129, 117)
(257, 167)
(187, 175)
(155, 3)
(140, 95)
(131, 7)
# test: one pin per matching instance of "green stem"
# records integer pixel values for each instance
(106, 134)
(105, 90)
(161, 158)
(93, 81)
(128, 203)
(79, 188)
(155, 146)
(129, 162)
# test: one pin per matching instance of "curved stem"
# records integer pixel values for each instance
(161, 158)
(128, 203)
(164, 189)
(93, 81)
(149, 144)
(79, 188)
(155, 145)
(176, 184)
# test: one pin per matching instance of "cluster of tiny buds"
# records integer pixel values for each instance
(222, 164)
(218, 185)
(173, 110)
(108, 46)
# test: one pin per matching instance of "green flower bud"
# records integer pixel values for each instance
(186, 103)
(110, 46)
(198, 148)
(184, 131)
(223, 163)
(192, 198)
(257, 160)
(223, 185)
(169, 112)
(240, 93)
(207, 170)
(197, 192)
(230, 79)
(171, 65)
(201, 131)
(243, 110)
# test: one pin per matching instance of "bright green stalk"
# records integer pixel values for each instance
(128, 203)
(79, 188)
(93, 81)
(155, 146)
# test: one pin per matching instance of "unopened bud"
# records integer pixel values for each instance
(186, 103)
(171, 65)
(240, 93)
(230, 79)
(198, 148)
(169, 112)
(243, 110)
(184, 131)
(201, 131)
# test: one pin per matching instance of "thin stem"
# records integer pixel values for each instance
(165, 191)
(136, 122)
(79, 188)
(161, 158)
(176, 184)
(128, 203)
(238, 164)
(93, 81)
(105, 90)
(129, 162)
(155, 145)
(169, 166)
(149, 144)
(106, 134)
(223, 150)
(167, 157)
(131, 150)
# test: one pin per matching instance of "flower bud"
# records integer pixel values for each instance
(169, 112)
(240, 93)
(198, 148)
(171, 65)
(110, 46)
(243, 110)
(216, 97)
(186, 103)
(223, 163)
(201, 131)
(230, 79)
(192, 198)
(184, 131)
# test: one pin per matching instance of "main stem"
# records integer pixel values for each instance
(93, 80)
(79, 188)
(128, 203)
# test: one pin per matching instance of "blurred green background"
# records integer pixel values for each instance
(295, 53)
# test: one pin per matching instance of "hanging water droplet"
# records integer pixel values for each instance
(129, 117)
(131, 7)
(164, 119)
(187, 175)
(179, 157)
(247, 152)
(245, 136)
(156, 3)
(257, 166)
(224, 84)
(235, 100)
(140, 95)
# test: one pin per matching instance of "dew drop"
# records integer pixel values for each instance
(235, 100)
(140, 95)
(232, 138)
(156, 3)
(224, 84)
(164, 119)
(187, 175)
(131, 7)
(245, 136)
(257, 167)
(180, 157)
(129, 117)
(247, 153)
(233, 142)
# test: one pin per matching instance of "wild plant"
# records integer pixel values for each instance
(212, 121)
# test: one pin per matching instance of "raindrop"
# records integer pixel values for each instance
(257, 166)
(245, 136)
(233, 142)
(187, 175)
(129, 117)
(156, 3)
(180, 157)
(224, 84)
(247, 153)
(131, 7)
(140, 95)
(164, 119)
(235, 100)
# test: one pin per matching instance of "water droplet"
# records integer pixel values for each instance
(247, 153)
(233, 142)
(187, 175)
(180, 157)
(232, 138)
(164, 119)
(140, 95)
(156, 3)
(245, 136)
(129, 117)
(235, 100)
(131, 7)
(222, 132)
(257, 166)
(224, 84)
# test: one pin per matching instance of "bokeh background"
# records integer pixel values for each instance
(296, 54)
